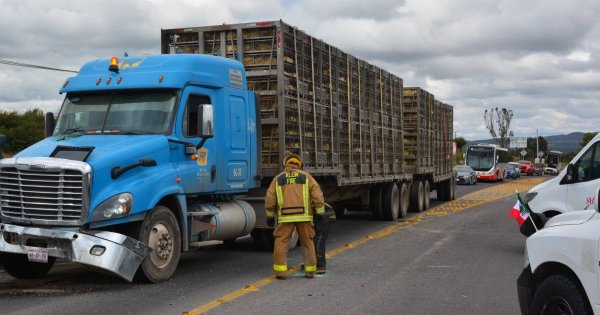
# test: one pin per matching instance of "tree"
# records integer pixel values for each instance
(587, 137)
(21, 130)
(497, 121)
(460, 143)
(532, 145)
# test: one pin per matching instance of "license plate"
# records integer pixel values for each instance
(39, 255)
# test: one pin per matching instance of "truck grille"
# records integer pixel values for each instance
(42, 195)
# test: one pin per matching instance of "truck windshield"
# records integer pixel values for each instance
(116, 113)
(480, 159)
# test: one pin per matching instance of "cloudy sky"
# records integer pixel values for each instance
(539, 58)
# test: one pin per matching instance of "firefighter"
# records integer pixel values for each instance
(322, 227)
(293, 197)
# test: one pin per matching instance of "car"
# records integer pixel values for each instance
(526, 167)
(561, 274)
(516, 165)
(465, 175)
(538, 169)
(551, 169)
(512, 172)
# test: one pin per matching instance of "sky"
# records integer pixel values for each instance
(538, 58)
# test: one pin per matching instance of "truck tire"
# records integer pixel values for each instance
(404, 200)
(416, 196)
(452, 189)
(558, 294)
(390, 203)
(18, 266)
(160, 230)
(264, 240)
(375, 203)
(426, 195)
(441, 190)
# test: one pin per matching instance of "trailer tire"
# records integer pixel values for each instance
(442, 190)
(452, 189)
(375, 203)
(426, 195)
(18, 266)
(404, 200)
(390, 202)
(416, 196)
(160, 231)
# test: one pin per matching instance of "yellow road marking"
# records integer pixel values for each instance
(460, 204)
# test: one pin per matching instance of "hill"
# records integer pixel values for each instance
(563, 143)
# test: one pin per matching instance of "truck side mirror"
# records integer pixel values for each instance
(205, 123)
(49, 124)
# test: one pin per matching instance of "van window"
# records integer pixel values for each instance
(588, 166)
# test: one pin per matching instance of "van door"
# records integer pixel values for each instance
(581, 191)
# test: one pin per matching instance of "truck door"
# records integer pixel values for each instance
(581, 192)
(237, 152)
(200, 175)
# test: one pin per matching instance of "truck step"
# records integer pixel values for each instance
(200, 213)
(206, 243)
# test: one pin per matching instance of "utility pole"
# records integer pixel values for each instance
(537, 145)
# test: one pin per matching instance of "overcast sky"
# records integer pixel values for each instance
(540, 58)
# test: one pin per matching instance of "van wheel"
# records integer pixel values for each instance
(559, 295)
(18, 266)
(160, 231)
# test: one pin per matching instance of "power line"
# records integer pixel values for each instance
(26, 65)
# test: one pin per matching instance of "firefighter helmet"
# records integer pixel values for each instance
(292, 159)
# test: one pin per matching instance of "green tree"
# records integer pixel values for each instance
(587, 137)
(21, 130)
(531, 146)
(460, 143)
(497, 121)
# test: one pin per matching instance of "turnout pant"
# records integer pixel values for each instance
(282, 235)
(322, 228)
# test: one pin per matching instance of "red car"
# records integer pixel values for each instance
(526, 167)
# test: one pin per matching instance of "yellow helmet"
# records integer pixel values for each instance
(292, 159)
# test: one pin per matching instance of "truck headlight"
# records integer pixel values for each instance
(530, 196)
(113, 207)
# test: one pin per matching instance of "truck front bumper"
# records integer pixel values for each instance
(113, 252)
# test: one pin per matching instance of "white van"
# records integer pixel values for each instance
(574, 188)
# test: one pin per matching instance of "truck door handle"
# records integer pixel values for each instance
(213, 173)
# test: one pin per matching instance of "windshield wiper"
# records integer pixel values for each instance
(138, 132)
(70, 133)
(72, 130)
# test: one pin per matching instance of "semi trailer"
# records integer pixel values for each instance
(151, 156)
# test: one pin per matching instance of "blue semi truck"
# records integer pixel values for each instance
(152, 156)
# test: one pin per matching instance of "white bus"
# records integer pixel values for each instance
(488, 160)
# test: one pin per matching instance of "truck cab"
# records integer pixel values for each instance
(143, 162)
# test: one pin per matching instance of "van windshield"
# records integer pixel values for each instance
(116, 113)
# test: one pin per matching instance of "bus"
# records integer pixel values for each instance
(489, 161)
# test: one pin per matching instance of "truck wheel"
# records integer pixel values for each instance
(442, 189)
(404, 199)
(160, 231)
(390, 202)
(426, 195)
(452, 189)
(416, 196)
(375, 201)
(559, 295)
(18, 266)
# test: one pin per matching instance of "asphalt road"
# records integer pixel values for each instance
(461, 257)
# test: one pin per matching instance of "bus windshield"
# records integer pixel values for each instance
(480, 158)
(145, 112)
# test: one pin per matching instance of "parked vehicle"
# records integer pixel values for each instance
(538, 169)
(155, 155)
(553, 161)
(465, 175)
(560, 274)
(551, 169)
(526, 167)
(512, 172)
(517, 168)
(574, 188)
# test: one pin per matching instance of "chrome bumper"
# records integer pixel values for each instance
(122, 254)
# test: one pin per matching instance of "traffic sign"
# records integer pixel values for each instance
(540, 154)
(523, 152)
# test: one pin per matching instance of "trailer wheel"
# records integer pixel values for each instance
(18, 266)
(416, 197)
(390, 202)
(160, 231)
(442, 189)
(404, 198)
(375, 203)
(426, 195)
(452, 189)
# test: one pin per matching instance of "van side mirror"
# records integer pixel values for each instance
(596, 201)
(205, 123)
(570, 175)
(49, 124)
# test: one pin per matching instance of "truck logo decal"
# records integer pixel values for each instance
(251, 126)
(131, 63)
(589, 201)
(202, 157)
